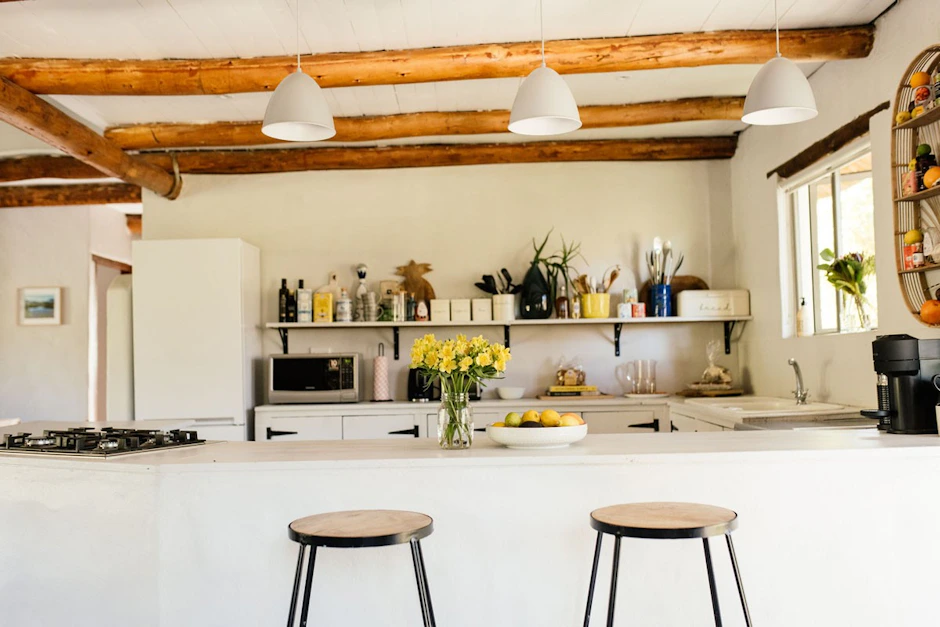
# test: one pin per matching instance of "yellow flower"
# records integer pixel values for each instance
(461, 346)
(484, 359)
(447, 352)
(432, 359)
(478, 342)
(448, 366)
(465, 364)
(500, 365)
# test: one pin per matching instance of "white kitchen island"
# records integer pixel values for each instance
(837, 528)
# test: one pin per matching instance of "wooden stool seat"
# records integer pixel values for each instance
(361, 528)
(664, 520)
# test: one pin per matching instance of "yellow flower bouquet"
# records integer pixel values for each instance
(459, 364)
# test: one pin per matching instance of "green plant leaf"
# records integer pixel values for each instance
(827, 254)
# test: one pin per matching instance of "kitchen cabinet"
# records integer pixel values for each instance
(298, 427)
(688, 424)
(377, 427)
(623, 421)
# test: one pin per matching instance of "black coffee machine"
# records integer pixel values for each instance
(907, 398)
(420, 391)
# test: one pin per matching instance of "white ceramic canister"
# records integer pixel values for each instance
(504, 307)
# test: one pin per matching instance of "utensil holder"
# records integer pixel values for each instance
(662, 300)
(595, 305)
(504, 307)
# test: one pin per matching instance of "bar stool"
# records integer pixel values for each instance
(358, 529)
(664, 521)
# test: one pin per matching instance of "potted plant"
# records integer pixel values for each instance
(459, 364)
(847, 274)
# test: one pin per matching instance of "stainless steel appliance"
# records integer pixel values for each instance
(303, 378)
(908, 398)
(91, 442)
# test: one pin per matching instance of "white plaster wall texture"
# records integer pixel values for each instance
(468, 221)
(837, 368)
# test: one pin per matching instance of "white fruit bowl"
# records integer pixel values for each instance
(510, 394)
(545, 437)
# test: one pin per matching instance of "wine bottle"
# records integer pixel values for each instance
(282, 301)
(291, 306)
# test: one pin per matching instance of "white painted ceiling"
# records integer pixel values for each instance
(246, 28)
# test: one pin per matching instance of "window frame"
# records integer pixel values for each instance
(792, 238)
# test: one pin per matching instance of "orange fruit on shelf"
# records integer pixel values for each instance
(930, 312)
(932, 177)
(919, 79)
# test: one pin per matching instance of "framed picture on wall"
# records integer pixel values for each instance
(40, 305)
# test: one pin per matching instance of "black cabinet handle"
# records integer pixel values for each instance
(413, 431)
(271, 433)
(480, 429)
(647, 425)
(673, 427)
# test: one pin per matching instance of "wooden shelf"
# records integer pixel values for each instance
(284, 328)
(929, 117)
(925, 268)
(927, 193)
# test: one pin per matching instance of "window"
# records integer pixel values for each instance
(830, 215)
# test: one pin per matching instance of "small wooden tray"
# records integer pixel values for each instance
(689, 393)
(593, 397)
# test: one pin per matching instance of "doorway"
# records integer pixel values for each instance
(103, 273)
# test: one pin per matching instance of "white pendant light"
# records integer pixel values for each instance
(297, 110)
(780, 93)
(544, 104)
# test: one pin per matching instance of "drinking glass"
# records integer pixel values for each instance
(639, 376)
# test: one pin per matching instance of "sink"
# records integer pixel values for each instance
(748, 406)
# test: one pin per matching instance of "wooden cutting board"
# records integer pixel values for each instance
(596, 397)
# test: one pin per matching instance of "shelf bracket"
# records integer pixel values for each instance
(283, 333)
(395, 340)
(618, 327)
(506, 335)
(729, 328)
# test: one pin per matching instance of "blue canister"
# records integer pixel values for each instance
(662, 300)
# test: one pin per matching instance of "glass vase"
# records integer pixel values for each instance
(454, 420)
(855, 313)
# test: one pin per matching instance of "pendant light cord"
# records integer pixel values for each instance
(542, 32)
(297, 35)
(776, 26)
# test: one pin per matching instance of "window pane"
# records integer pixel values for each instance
(805, 267)
(828, 312)
(857, 226)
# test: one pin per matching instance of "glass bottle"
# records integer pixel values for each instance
(561, 301)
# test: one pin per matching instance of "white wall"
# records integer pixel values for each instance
(44, 370)
(467, 221)
(836, 368)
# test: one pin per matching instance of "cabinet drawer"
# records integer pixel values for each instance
(639, 421)
(280, 428)
(379, 427)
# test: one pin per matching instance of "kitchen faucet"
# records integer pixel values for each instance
(800, 393)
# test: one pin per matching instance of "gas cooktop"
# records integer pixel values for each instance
(91, 442)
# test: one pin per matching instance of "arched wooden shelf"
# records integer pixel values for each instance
(916, 283)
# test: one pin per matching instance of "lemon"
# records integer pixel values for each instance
(498, 424)
(530, 416)
(512, 419)
(569, 420)
(550, 418)
(902, 117)
(913, 236)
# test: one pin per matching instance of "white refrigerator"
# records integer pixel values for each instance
(197, 333)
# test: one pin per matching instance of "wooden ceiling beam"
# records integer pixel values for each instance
(38, 118)
(135, 224)
(186, 77)
(65, 195)
(261, 161)
(45, 167)
(424, 124)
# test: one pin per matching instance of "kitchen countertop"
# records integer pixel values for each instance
(488, 403)
(593, 450)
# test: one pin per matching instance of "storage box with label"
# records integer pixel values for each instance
(460, 310)
(440, 310)
(716, 303)
(482, 309)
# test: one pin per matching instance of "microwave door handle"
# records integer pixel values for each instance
(271, 433)
(413, 432)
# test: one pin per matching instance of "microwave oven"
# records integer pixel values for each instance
(303, 378)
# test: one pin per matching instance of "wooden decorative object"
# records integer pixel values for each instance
(423, 124)
(414, 282)
(187, 77)
(916, 283)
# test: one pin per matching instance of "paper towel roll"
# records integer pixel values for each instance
(380, 379)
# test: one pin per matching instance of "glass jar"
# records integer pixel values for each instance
(454, 420)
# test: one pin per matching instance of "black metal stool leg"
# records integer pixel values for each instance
(711, 582)
(419, 579)
(737, 579)
(613, 582)
(597, 557)
(427, 589)
(293, 596)
(309, 584)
